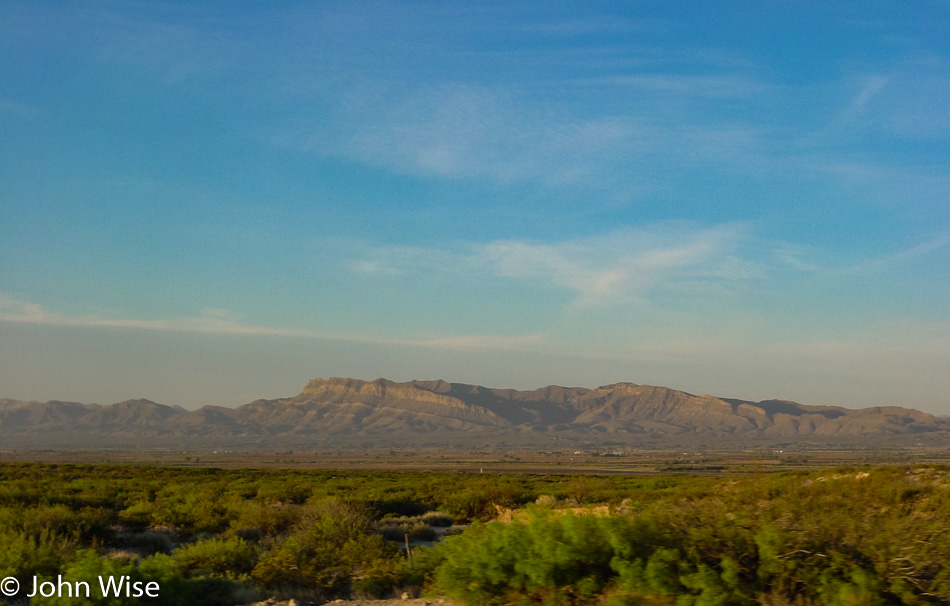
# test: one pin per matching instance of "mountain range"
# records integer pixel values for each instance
(341, 412)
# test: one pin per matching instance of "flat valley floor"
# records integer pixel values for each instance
(646, 462)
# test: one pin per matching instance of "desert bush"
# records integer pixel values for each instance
(547, 559)
(297, 563)
(292, 492)
(223, 557)
(88, 567)
(401, 504)
(137, 516)
(838, 536)
(24, 555)
(467, 507)
(333, 520)
(146, 543)
(266, 519)
(437, 518)
(416, 530)
(173, 588)
(327, 550)
(190, 509)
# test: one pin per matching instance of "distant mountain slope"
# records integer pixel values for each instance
(339, 411)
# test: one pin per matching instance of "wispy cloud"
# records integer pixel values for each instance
(925, 248)
(470, 131)
(212, 320)
(403, 260)
(215, 321)
(222, 322)
(506, 134)
(796, 257)
(171, 45)
(618, 267)
(177, 52)
(871, 87)
(906, 99)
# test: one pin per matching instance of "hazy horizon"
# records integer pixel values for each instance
(211, 203)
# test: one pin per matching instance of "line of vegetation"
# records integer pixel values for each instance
(222, 537)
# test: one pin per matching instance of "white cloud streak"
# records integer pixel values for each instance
(212, 321)
(504, 134)
(614, 268)
(618, 268)
(792, 256)
(872, 86)
(215, 321)
(222, 322)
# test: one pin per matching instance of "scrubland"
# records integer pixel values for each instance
(841, 536)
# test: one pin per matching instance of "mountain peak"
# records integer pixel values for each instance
(341, 410)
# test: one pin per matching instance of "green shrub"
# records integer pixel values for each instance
(88, 567)
(264, 519)
(836, 536)
(223, 557)
(333, 520)
(173, 588)
(416, 530)
(547, 559)
(437, 518)
(23, 555)
(146, 543)
(137, 516)
(296, 564)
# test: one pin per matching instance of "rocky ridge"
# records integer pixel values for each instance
(351, 411)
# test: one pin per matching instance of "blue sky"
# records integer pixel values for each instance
(207, 203)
